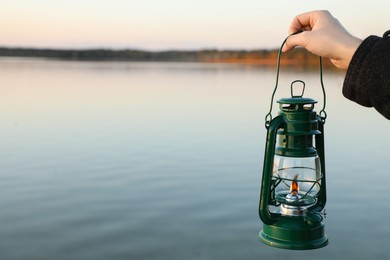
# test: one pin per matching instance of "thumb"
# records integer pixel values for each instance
(294, 41)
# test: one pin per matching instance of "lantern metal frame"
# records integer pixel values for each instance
(306, 230)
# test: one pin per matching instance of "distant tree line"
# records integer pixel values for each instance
(266, 57)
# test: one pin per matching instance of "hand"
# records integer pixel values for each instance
(323, 35)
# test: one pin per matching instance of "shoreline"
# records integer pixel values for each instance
(299, 57)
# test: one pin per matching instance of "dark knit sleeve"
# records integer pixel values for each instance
(368, 77)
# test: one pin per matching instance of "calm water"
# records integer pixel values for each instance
(118, 160)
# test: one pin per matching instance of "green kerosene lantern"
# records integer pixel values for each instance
(293, 189)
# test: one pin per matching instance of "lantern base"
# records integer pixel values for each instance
(297, 233)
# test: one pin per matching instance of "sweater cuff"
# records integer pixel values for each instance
(351, 89)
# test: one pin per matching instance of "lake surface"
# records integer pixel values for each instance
(121, 160)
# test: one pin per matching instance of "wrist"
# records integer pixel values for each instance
(352, 47)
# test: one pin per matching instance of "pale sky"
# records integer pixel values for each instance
(173, 24)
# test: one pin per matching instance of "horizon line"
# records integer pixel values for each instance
(140, 49)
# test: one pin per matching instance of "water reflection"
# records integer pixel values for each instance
(163, 161)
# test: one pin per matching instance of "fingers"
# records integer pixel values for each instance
(304, 22)
(301, 22)
(307, 21)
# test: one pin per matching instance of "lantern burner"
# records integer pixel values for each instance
(293, 196)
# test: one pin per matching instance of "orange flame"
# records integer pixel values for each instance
(294, 188)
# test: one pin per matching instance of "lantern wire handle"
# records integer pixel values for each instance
(323, 114)
(268, 117)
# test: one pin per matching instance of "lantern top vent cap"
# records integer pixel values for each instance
(297, 100)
